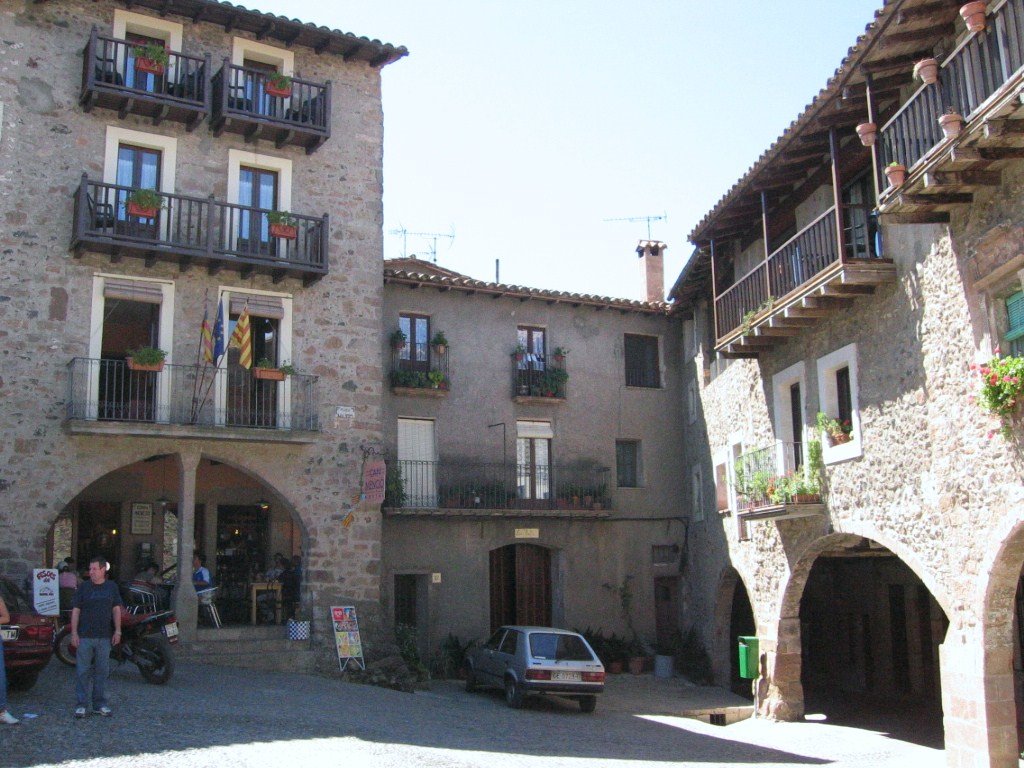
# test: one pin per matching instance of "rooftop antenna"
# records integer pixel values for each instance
(648, 219)
(434, 236)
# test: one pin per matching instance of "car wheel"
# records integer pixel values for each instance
(588, 704)
(21, 681)
(513, 693)
(471, 684)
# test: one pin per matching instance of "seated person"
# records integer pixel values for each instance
(147, 575)
(200, 574)
(279, 567)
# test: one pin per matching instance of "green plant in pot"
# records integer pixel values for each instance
(278, 84)
(282, 225)
(151, 58)
(437, 380)
(439, 343)
(398, 340)
(146, 359)
(264, 368)
(144, 203)
(838, 432)
(559, 354)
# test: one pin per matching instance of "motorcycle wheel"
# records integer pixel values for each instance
(62, 648)
(154, 659)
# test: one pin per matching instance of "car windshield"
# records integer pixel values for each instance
(555, 647)
(13, 597)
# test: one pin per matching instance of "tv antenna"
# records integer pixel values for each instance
(434, 237)
(648, 219)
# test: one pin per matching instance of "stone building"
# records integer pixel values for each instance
(166, 162)
(819, 286)
(534, 470)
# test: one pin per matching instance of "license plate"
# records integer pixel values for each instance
(567, 677)
(9, 634)
(171, 629)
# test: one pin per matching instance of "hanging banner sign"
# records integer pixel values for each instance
(45, 596)
(374, 474)
(346, 636)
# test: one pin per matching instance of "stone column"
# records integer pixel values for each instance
(186, 607)
(779, 694)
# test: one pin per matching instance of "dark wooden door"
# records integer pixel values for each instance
(666, 608)
(520, 585)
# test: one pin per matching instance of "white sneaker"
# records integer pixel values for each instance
(79, 712)
(8, 719)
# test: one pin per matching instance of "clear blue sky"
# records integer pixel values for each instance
(522, 125)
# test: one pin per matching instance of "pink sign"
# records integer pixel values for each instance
(374, 474)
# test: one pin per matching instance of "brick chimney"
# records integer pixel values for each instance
(652, 266)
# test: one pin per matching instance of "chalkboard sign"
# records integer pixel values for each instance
(346, 636)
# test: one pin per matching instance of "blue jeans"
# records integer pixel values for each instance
(3, 679)
(92, 663)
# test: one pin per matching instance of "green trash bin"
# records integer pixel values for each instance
(749, 657)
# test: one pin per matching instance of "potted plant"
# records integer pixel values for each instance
(282, 225)
(951, 123)
(398, 339)
(151, 58)
(437, 380)
(559, 354)
(519, 352)
(838, 432)
(973, 15)
(439, 343)
(1002, 388)
(279, 85)
(146, 359)
(867, 132)
(927, 71)
(144, 203)
(896, 173)
(264, 369)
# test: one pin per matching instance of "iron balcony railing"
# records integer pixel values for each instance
(244, 100)
(539, 376)
(976, 70)
(112, 68)
(185, 226)
(758, 471)
(460, 484)
(797, 261)
(201, 395)
(419, 366)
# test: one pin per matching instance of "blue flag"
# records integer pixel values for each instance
(218, 334)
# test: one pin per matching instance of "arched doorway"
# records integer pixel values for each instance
(520, 585)
(734, 616)
(870, 632)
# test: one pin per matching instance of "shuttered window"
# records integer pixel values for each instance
(259, 306)
(133, 290)
(642, 364)
(1015, 323)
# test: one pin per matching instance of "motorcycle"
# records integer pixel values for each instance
(146, 639)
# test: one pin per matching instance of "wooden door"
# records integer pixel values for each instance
(666, 608)
(520, 585)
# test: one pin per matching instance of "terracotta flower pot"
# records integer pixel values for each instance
(867, 132)
(268, 374)
(806, 498)
(927, 71)
(134, 209)
(951, 123)
(973, 15)
(282, 93)
(896, 174)
(284, 231)
(840, 438)
(149, 66)
(154, 367)
(440, 348)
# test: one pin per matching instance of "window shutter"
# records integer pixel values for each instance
(133, 290)
(535, 429)
(1015, 315)
(259, 306)
(415, 440)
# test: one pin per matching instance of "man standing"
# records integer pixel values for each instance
(95, 610)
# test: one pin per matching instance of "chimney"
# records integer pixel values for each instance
(652, 266)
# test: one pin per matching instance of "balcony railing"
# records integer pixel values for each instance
(795, 263)
(419, 367)
(976, 70)
(186, 228)
(534, 376)
(199, 395)
(758, 474)
(113, 77)
(242, 104)
(468, 485)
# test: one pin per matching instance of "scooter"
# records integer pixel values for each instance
(146, 639)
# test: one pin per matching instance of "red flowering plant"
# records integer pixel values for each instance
(1002, 387)
(838, 432)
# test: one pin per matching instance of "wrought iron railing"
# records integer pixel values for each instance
(419, 366)
(461, 484)
(758, 471)
(244, 92)
(976, 69)
(537, 376)
(110, 390)
(197, 226)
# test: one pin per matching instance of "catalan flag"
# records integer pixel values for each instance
(242, 338)
(206, 334)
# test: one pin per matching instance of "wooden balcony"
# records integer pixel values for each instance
(205, 231)
(112, 79)
(242, 104)
(810, 276)
(982, 80)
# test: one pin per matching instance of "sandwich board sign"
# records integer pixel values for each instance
(346, 636)
(44, 591)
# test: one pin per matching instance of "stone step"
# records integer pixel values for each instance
(246, 646)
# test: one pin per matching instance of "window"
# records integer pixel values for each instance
(415, 355)
(722, 486)
(664, 554)
(257, 61)
(417, 459)
(139, 30)
(533, 460)
(838, 398)
(1015, 324)
(261, 182)
(627, 463)
(789, 387)
(697, 495)
(508, 645)
(642, 362)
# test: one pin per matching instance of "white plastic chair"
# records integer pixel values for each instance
(206, 597)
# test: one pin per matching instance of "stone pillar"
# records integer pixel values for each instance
(186, 607)
(779, 694)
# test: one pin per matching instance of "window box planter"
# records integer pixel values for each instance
(284, 231)
(142, 211)
(153, 367)
(149, 66)
(268, 374)
(281, 93)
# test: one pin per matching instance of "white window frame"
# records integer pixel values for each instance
(697, 493)
(828, 402)
(284, 350)
(168, 148)
(720, 458)
(171, 32)
(781, 383)
(165, 340)
(282, 58)
(282, 165)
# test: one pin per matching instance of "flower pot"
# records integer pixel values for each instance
(806, 498)
(973, 15)
(560, 359)
(149, 66)
(154, 367)
(134, 209)
(268, 374)
(896, 174)
(867, 132)
(519, 357)
(636, 665)
(282, 93)
(951, 124)
(284, 231)
(440, 348)
(840, 438)
(927, 71)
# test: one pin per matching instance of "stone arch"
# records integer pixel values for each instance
(722, 650)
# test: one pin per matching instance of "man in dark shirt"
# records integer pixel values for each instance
(95, 610)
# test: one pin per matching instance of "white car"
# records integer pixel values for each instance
(530, 660)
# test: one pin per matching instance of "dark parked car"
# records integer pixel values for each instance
(529, 660)
(28, 639)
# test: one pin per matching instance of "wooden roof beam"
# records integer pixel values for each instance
(921, 34)
(896, 62)
(925, 11)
